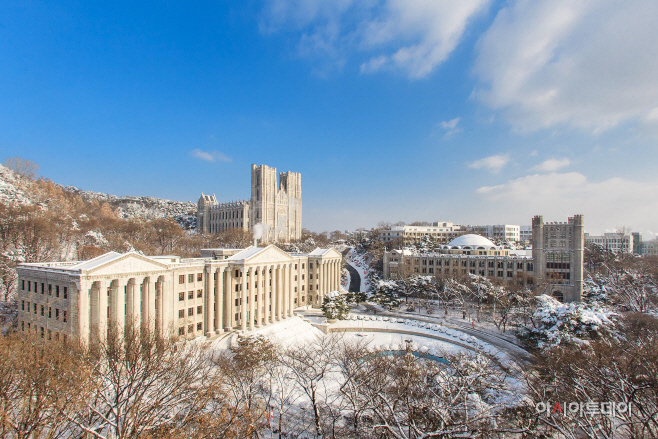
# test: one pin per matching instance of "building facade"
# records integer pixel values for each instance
(614, 242)
(439, 232)
(226, 290)
(498, 232)
(553, 267)
(273, 213)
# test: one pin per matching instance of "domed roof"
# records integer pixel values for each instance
(472, 241)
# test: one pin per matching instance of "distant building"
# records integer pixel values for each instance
(614, 242)
(228, 289)
(439, 232)
(525, 234)
(553, 267)
(274, 212)
(650, 248)
(498, 232)
(637, 243)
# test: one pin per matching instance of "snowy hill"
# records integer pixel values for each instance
(13, 189)
(143, 207)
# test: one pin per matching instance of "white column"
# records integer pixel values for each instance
(266, 296)
(135, 304)
(291, 292)
(150, 304)
(102, 310)
(159, 306)
(119, 301)
(250, 293)
(277, 292)
(209, 300)
(219, 298)
(83, 310)
(243, 297)
(231, 295)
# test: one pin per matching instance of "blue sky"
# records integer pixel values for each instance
(472, 112)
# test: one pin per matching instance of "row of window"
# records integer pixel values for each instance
(190, 295)
(33, 307)
(190, 329)
(33, 286)
(190, 278)
(43, 331)
(558, 265)
(190, 312)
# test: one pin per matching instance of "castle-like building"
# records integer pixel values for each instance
(224, 290)
(273, 214)
(554, 266)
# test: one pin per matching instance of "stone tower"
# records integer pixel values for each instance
(275, 205)
(203, 212)
(558, 254)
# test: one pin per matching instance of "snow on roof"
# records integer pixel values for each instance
(319, 252)
(246, 253)
(97, 261)
(471, 240)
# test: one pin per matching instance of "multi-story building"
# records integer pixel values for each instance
(274, 212)
(439, 232)
(614, 242)
(466, 254)
(498, 232)
(554, 267)
(226, 290)
(525, 234)
(650, 248)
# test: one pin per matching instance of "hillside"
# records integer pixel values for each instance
(13, 189)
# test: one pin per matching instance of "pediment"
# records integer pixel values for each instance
(129, 263)
(271, 253)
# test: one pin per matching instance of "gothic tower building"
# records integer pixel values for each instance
(273, 214)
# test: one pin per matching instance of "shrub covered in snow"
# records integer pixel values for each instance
(554, 323)
(335, 306)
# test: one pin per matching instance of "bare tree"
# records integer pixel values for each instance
(23, 167)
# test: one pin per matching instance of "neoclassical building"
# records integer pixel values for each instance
(274, 212)
(225, 290)
(554, 266)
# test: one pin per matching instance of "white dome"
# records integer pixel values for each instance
(472, 241)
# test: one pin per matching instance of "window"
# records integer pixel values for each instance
(310, 287)
(190, 278)
(50, 313)
(190, 312)
(310, 265)
(181, 297)
(23, 285)
(42, 311)
(237, 316)
(66, 292)
(199, 277)
(35, 308)
(181, 279)
(42, 288)
(64, 316)
(199, 309)
(199, 293)
(190, 295)
(181, 331)
(57, 290)
(181, 313)
(23, 305)
(310, 276)
(295, 266)
(56, 314)
(303, 267)
(29, 285)
(199, 326)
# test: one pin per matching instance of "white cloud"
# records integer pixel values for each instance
(493, 163)
(413, 37)
(450, 126)
(587, 64)
(551, 165)
(609, 203)
(210, 156)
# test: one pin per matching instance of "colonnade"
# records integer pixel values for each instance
(119, 302)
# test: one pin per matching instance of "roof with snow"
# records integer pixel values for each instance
(319, 252)
(97, 261)
(471, 241)
(246, 253)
